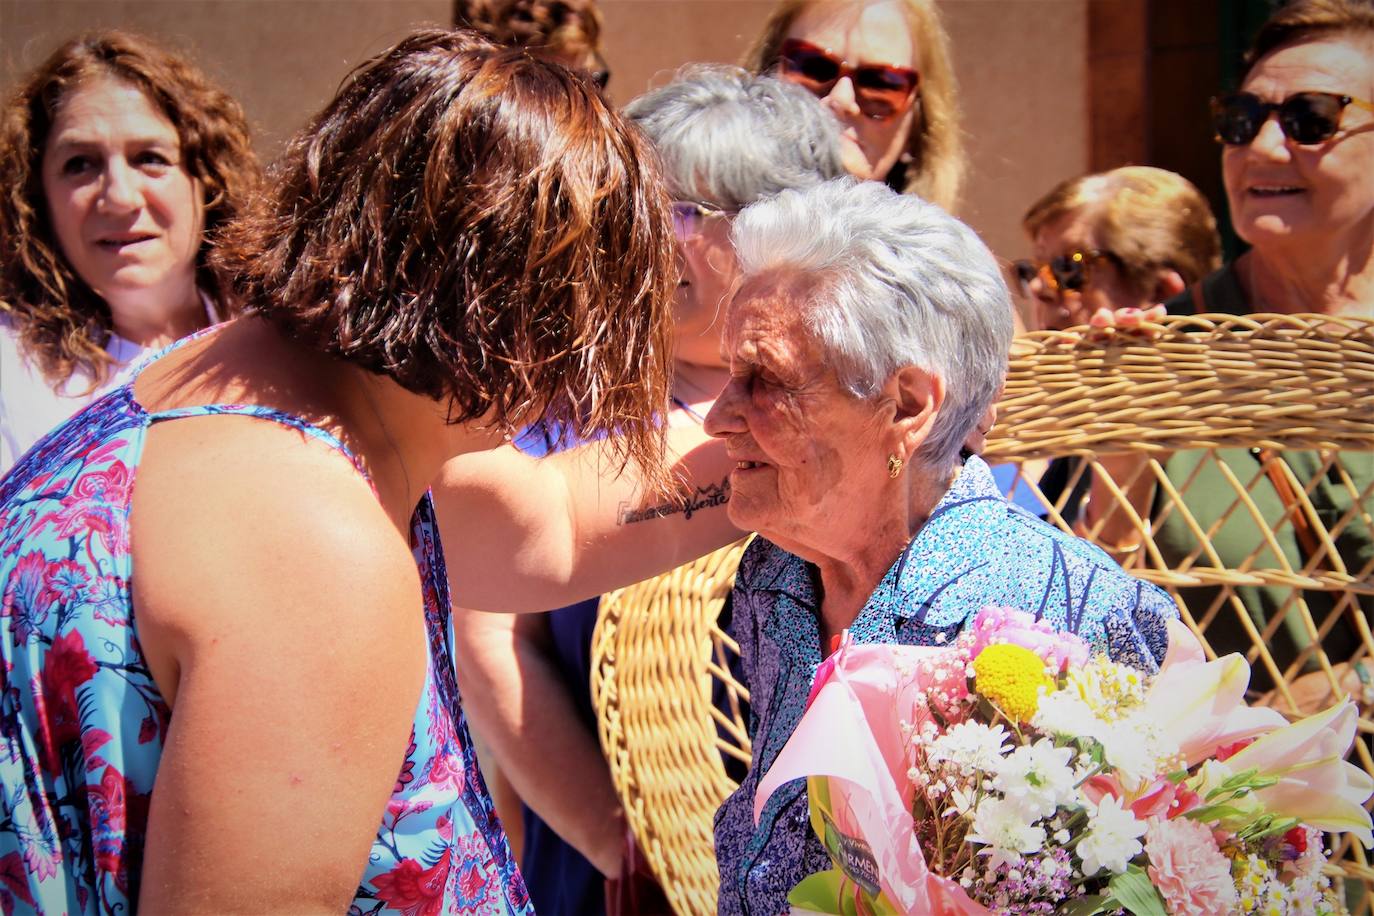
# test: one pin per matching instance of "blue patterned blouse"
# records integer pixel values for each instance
(82, 723)
(977, 549)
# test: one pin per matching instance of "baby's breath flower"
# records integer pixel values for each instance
(970, 746)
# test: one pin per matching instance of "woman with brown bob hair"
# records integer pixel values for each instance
(119, 161)
(465, 241)
(883, 67)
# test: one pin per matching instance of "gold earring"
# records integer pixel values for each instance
(894, 466)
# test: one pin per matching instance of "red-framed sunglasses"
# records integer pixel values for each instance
(881, 91)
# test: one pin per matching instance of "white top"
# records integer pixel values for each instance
(30, 408)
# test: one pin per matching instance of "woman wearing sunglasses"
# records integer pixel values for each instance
(1108, 244)
(1123, 239)
(883, 67)
(1298, 163)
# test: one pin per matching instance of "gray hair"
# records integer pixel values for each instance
(900, 282)
(727, 137)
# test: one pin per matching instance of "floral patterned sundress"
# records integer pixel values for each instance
(82, 724)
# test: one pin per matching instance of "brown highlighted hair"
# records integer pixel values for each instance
(1149, 218)
(935, 148)
(1311, 20)
(562, 28)
(62, 323)
(480, 226)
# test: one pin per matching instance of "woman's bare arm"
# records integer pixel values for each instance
(526, 534)
(519, 703)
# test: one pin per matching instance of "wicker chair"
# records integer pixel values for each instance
(1200, 384)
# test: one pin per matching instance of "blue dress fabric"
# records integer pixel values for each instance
(977, 549)
(83, 725)
(562, 881)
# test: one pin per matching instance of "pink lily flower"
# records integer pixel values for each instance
(1161, 799)
(1316, 784)
(1200, 705)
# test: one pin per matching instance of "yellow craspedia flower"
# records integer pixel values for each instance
(1011, 677)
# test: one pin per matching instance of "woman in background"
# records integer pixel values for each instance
(883, 67)
(119, 160)
(1116, 242)
(1298, 166)
(566, 31)
(1126, 238)
(726, 139)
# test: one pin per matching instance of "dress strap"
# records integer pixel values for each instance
(272, 414)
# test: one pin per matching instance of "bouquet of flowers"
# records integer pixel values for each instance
(1014, 772)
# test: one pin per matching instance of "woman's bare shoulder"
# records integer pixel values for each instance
(242, 525)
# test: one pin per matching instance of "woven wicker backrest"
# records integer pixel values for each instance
(1219, 411)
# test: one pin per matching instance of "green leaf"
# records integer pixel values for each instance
(1279, 825)
(819, 892)
(1134, 891)
(832, 893)
(1242, 783)
(1085, 906)
(1217, 813)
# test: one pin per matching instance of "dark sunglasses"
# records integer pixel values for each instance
(881, 92)
(1066, 273)
(689, 218)
(1304, 117)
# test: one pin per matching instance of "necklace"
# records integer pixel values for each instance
(687, 408)
(696, 392)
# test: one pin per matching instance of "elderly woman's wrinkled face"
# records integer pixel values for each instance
(863, 33)
(808, 455)
(1282, 192)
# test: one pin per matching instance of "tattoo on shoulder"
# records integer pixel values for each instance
(703, 497)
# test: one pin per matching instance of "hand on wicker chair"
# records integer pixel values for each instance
(1312, 692)
(1127, 319)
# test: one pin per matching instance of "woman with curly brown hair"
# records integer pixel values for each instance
(566, 31)
(465, 241)
(118, 161)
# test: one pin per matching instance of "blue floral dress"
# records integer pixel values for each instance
(976, 549)
(82, 724)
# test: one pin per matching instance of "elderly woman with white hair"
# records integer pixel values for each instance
(867, 338)
(726, 138)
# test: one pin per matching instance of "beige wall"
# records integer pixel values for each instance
(283, 59)
(1022, 65)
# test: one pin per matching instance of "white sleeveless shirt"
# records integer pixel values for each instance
(30, 408)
